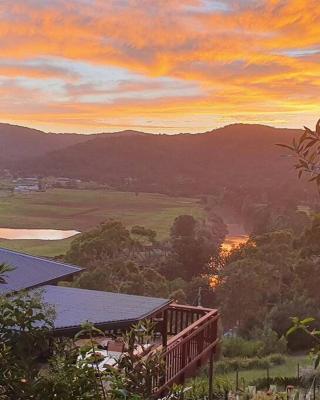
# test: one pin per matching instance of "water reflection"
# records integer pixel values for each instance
(40, 234)
(233, 241)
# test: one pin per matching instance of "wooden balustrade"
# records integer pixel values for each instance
(179, 317)
(195, 338)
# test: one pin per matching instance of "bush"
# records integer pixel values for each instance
(240, 347)
(277, 359)
(263, 343)
(271, 341)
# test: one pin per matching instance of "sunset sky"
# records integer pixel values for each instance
(159, 65)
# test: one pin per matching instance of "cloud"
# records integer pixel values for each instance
(213, 60)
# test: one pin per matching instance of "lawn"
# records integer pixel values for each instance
(84, 209)
(289, 369)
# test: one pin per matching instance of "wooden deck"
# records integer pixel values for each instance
(193, 338)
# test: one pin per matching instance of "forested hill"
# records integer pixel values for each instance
(237, 154)
(17, 142)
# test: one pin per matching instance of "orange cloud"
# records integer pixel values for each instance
(254, 60)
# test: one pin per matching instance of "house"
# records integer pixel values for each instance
(189, 335)
(27, 185)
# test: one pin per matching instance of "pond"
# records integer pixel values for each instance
(39, 234)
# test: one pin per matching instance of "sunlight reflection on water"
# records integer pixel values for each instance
(233, 241)
(40, 234)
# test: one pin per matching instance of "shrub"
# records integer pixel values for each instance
(277, 359)
(264, 342)
(271, 341)
(197, 388)
(240, 347)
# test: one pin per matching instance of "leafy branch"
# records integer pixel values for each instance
(4, 268)
(307, 150)
(304, 325)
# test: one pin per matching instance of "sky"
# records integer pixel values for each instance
(164, 66)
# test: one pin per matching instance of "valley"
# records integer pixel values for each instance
(80, 210)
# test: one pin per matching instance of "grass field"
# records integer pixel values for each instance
(84, 209)
(289, 369)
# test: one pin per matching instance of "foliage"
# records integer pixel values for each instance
(265, 281)
(139, 372)
(119, 260)
(192, 247)
(307, 150)
(25, 345)
(24, 334)
(306, 325)
(237, 346)
(4, 268)
(271, 343)
(198, 388)
(124, 277)
(106, 242)
(280, 316)
(309, 241)
(141, 231)
(263, 342)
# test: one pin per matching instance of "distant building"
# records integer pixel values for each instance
(26, 185)
(63, 182)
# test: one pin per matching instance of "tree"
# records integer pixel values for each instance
(309, 242)
(124, 277)
(108, 241)
(148, 234)
(192, 247)
(280, 319)
(257, 276)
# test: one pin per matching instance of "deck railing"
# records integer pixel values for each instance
(179, 317)
(195, 338)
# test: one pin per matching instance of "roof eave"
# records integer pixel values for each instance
(111, 325)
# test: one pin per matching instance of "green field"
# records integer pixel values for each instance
(289, 369)
(84, 209)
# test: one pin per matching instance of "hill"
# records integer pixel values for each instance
(20, 143)
(236, 155)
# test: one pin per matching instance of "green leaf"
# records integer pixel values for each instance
(291, 330)
(307, 321)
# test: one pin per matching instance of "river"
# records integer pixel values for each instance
(236, 230)
(236, 235)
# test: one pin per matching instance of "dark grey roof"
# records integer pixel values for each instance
(30, 271)
(76, 306)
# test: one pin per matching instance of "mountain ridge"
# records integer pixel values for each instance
(238, 154)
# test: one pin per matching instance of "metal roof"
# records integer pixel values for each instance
(30, 271)
(109, 310)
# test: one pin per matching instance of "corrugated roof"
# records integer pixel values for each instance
(30, 271)
(76, 306)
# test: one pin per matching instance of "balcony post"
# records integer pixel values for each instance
(211, 375)
(164, 332)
